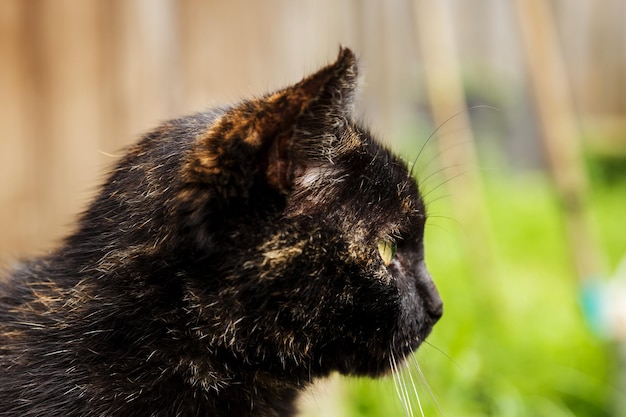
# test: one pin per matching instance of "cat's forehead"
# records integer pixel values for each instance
(385, 179)
(360, 182)
(379, 169)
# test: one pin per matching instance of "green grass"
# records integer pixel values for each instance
(513, 341)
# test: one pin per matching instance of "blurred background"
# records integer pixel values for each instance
(514, 111)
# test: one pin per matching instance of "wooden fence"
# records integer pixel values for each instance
(81, 79)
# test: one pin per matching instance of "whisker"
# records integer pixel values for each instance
(441, 228)
(443, 216)
(436, 130)
(439, 198)
(395, 385)
(446, 181)
(438, 156)
(426, 384)
(405, 390)
(445, 122)
(423, 181)
(427, 343)
(435, 159)
(428, 139)
(399, 386)
(417, 396)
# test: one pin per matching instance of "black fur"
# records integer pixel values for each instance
(230, 259)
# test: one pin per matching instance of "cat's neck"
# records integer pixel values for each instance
(260, 395)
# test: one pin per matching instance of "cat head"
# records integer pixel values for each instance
(297, 237)
(320, 229)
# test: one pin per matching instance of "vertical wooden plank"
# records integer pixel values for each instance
(229, 49)
(572, 21)
(142, 68)
(560, 134)
(609, 56)
(69, 105)
(448, 103)
(14, 174)
(397, 55)
(205, 56)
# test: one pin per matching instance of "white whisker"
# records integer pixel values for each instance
(427, 343)
(426, 384)
(417, 396)
(437, 174)
(399, 386)
(434, 132)
(444, 182)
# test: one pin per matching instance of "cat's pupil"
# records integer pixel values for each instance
(387, 250)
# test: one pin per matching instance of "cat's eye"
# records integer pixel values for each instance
(387, 250)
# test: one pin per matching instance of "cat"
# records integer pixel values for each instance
(232, 258)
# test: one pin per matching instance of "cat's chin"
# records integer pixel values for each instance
(381, 364)
(374, 370)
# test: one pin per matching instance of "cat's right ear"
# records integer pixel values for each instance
(337, 86)
(321, 102)
(254, 141)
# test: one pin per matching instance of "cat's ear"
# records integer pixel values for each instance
(337, 86)
(257, 137)
(321, 100)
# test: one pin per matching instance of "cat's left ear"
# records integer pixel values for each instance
(257, 137)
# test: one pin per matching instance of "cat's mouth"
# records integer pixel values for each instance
(421, 308)
(378, 359)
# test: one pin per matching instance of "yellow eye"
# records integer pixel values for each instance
(387, 250)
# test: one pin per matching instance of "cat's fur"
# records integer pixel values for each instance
(230, 259)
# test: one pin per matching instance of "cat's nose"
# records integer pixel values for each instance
(435, 307)
(428, 291)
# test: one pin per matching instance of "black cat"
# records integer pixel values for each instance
(231, 258)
